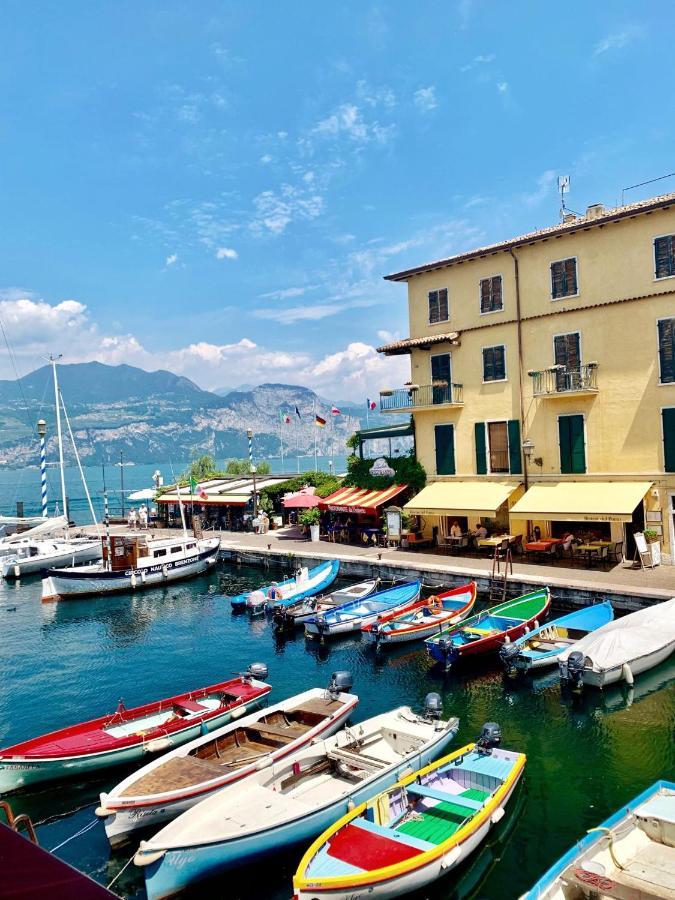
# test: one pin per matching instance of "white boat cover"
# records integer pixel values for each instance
(45, 527)
(635, 635)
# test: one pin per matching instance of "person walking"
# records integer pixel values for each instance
(143, 516)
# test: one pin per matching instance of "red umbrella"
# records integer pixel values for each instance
(301, 500)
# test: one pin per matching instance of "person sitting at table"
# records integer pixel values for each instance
(536, 533)
(455, 530)
(479, 533)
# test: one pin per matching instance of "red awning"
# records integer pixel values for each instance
(301, 500)
(359, 500)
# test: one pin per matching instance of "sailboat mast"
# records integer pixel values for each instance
(58, 432)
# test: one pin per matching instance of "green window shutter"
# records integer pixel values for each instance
(557, 280)
(668, 439)
(667, 350)
(485, 298)
(515, 457)
(500, 363)
(572, 447)
(433, 307)
(445, 449)
(570, 276)
(488, 364)
(664, 256)
(481, 459)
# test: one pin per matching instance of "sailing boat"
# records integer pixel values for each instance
(34, 550)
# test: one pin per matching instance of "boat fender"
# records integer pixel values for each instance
(165, 571)
(497, 816)
(145, 857)
(536, 623)
(158, 744)
(237, 712)
(143, 577)
(102, 812)
(17, 571)
(350, 805)
(627, 674)
(133, 580)
(507, 639)
(451, 858)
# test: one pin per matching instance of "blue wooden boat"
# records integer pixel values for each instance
(352, 616)
(542, 646)
(631, 855)
(305, 583)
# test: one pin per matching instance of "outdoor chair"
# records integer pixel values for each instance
(517, 545)
(618, 551)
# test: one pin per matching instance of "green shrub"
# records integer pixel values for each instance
(406, 468)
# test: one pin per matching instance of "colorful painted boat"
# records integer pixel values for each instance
(130, 734)
(166, 787)
(291, 801)
(488, 630)
(305, 583)
(295, 614)
(352, 616)
(621, 649)
(543, 646)
(424, 619)
(630, 856)
(414, 832)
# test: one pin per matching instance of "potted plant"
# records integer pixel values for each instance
(311, 518)
(651, 537)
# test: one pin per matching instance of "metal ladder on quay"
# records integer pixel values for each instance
(499, 575)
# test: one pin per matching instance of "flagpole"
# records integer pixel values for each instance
(368, 412)
(281, 439)
(316, 466)
(332, 437)
(297, 444)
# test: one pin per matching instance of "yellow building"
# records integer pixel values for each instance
(543, 360)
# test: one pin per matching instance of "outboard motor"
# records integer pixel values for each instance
(257, 670)
(280, 618)
(448, 652)
(490, 736)
(433, 706)
(321, 627)
(576, 663)
(508, 653)
(340, 683)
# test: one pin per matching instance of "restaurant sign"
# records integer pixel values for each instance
(382, 468)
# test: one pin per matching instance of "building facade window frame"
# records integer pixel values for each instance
(488, 451)
(454, 447)
(494, 380)
(491, 278)
(658, 349)
(666, 470)
(565, 259)
(438, 292)
(661, 237)
(567, 415)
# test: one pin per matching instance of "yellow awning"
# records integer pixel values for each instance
(211, 500)
(461, 498)
(581, 501)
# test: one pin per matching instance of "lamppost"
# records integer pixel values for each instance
(252, 469)
(122, 479)
(42, 431)
(528, 447)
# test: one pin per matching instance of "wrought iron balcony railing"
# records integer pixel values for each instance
(565, 380)
(416, 396)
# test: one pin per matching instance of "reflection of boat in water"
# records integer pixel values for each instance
(619, 696)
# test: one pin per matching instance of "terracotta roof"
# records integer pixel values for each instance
(398, 348)
(579, 223)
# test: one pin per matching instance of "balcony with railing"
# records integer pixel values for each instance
(561, 381)
(421, 396)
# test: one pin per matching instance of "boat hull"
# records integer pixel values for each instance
(601, 679)
(321, 577)
(126, 819)
(178, 868)
(17, 568)
(17, 773)
(412, 881)
(72, 584)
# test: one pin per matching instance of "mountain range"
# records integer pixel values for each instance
(153, 416)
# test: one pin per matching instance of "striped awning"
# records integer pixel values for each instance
(359, 500)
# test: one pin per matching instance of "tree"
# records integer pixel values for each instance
(201, 468)
(243, 467)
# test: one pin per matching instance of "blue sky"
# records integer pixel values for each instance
(218, 188)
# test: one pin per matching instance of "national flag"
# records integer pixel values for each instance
(201, 492)
(285, 418)
(297, 412)
(335, 411)
(193, 486)
(371, 404)
(319, 421)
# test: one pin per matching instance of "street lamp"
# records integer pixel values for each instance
(528, 448)
(255, 494)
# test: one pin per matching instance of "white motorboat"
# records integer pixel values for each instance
(35, 556)
(292, 801)
(621, 649)
(178, 780)
(134, 562)
(288, 617)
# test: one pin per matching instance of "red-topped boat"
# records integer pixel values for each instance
(131, 734)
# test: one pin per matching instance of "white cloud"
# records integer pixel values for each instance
(312, 313)
(425, 98)
(287, 293)
(265, 159)
(348, 120)
(171, 260)
(502, 87)
(544, 184)
(275, 210)
(35, 328)
(481, 60)
(617, 40)
(226, 253)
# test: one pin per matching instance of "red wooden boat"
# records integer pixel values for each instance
(131, 734)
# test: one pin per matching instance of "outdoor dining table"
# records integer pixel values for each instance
(593, 547)
(543, 545)
(495, 540)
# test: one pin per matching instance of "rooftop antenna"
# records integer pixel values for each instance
(563, 188)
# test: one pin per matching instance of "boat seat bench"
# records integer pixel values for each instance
(368, 849)
(422, 790)
(391, 834)
(275, 731)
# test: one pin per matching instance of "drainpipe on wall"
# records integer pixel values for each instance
(520, 359)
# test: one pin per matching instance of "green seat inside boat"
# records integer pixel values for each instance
(440, 822)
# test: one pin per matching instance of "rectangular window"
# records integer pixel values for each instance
(564, 278)
(494, 363)
(441, 378)
(572, 445)
(668, 416)
(567, 353)
(664, 256)
(498, 446)
(491, 299)
(445, 449)
(667, 350)
(438, 306)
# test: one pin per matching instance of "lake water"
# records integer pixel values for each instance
(67, 662)
(24, 484)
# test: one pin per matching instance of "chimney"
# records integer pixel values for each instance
(595, 210)
(569, 217)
